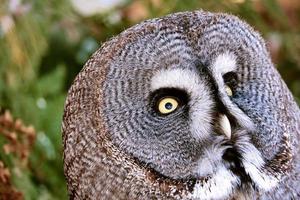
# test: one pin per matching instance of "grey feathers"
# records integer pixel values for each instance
(142, 119)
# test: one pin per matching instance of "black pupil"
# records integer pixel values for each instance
(168, 106)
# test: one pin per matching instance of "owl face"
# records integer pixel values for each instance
(171, 117)
(171, 106)
(188, 98)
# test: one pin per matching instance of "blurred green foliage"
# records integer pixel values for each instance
(43, 45)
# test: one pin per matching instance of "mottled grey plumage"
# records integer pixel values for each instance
(116, 145)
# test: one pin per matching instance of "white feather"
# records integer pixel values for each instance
(220, 186)
(253, 164)
(224, 63)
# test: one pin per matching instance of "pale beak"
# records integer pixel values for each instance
(225, 126)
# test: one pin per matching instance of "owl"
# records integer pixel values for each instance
(187, 106)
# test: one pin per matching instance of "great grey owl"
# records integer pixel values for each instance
(187, 106)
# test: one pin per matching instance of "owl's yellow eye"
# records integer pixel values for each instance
(167, 105)
(228, 90)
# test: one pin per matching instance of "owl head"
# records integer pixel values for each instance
(187, 106)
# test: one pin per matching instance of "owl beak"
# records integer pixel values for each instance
(225, 126)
